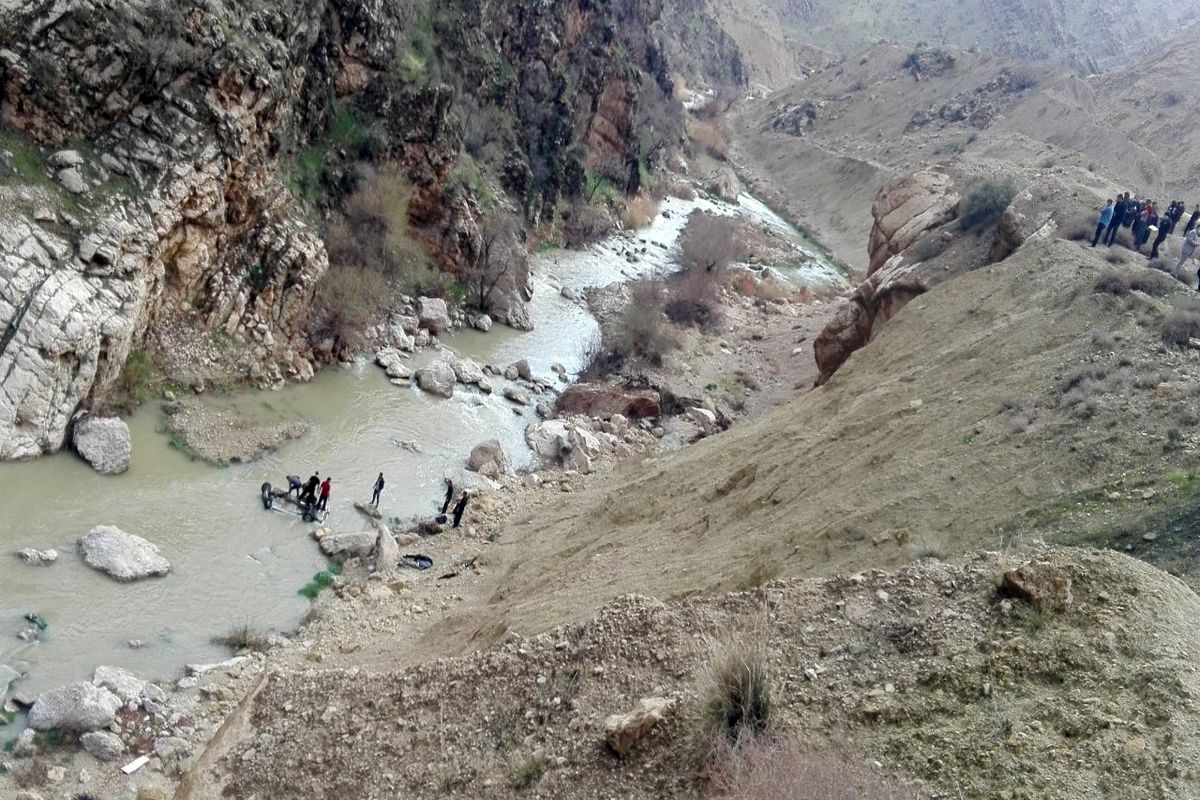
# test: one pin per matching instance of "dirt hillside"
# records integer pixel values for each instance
(823, 146)
(929, 672)
(922, 442)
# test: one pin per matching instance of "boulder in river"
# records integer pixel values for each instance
(37, 558)
(604, 401)
(78, 707)
(482, 323)
(433, 315)
(467, 371)
(122, 555)
(437, 378)
(516, 395)
(7, 676)
(103, 442)
(520, 369)
(488, 458)
(393, 363)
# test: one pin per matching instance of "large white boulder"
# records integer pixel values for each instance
(433, 315)
(437, 378)
(348, 545)
(488, 458)
(103, 442)
(78, 707)
(122, 555)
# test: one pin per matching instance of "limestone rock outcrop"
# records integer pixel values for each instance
(905, 208)
(1042, 207)
(874, 302)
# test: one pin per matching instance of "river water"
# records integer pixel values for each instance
(233, 563)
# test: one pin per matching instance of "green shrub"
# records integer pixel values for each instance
(930, 246)
(985, 203)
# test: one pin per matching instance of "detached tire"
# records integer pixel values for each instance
(268, 498)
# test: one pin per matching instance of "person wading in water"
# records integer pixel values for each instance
(378, 490)
(326, 488)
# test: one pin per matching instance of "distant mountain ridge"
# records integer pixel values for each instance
(1089, 36)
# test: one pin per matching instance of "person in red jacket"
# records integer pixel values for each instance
(325, 489)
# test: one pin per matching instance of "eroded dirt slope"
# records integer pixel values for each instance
(928, 671)
(925, 439)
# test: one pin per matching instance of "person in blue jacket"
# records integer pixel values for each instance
(1106, 215)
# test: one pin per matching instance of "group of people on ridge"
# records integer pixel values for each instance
(1143, 219)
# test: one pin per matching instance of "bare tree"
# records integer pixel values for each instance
(499, 258)
(608, 170)
(710, 243)
(708, 246)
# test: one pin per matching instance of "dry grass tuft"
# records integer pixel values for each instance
(1152, 282)
(243, 638)
(709, 137)
(734, 691)
(639, 212)
(1181, 326)
(769, 768)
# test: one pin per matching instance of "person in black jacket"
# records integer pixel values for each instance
(1192, 221)
(310, 489)
(449, 495)
(460, 507)
(1166, 224)
(1118, 218)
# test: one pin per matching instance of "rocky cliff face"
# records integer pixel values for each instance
(164, 168)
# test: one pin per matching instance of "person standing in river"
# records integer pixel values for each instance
(460, 507)
(378, 490)
(310, 489)
(449, 495)
(326, 488)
